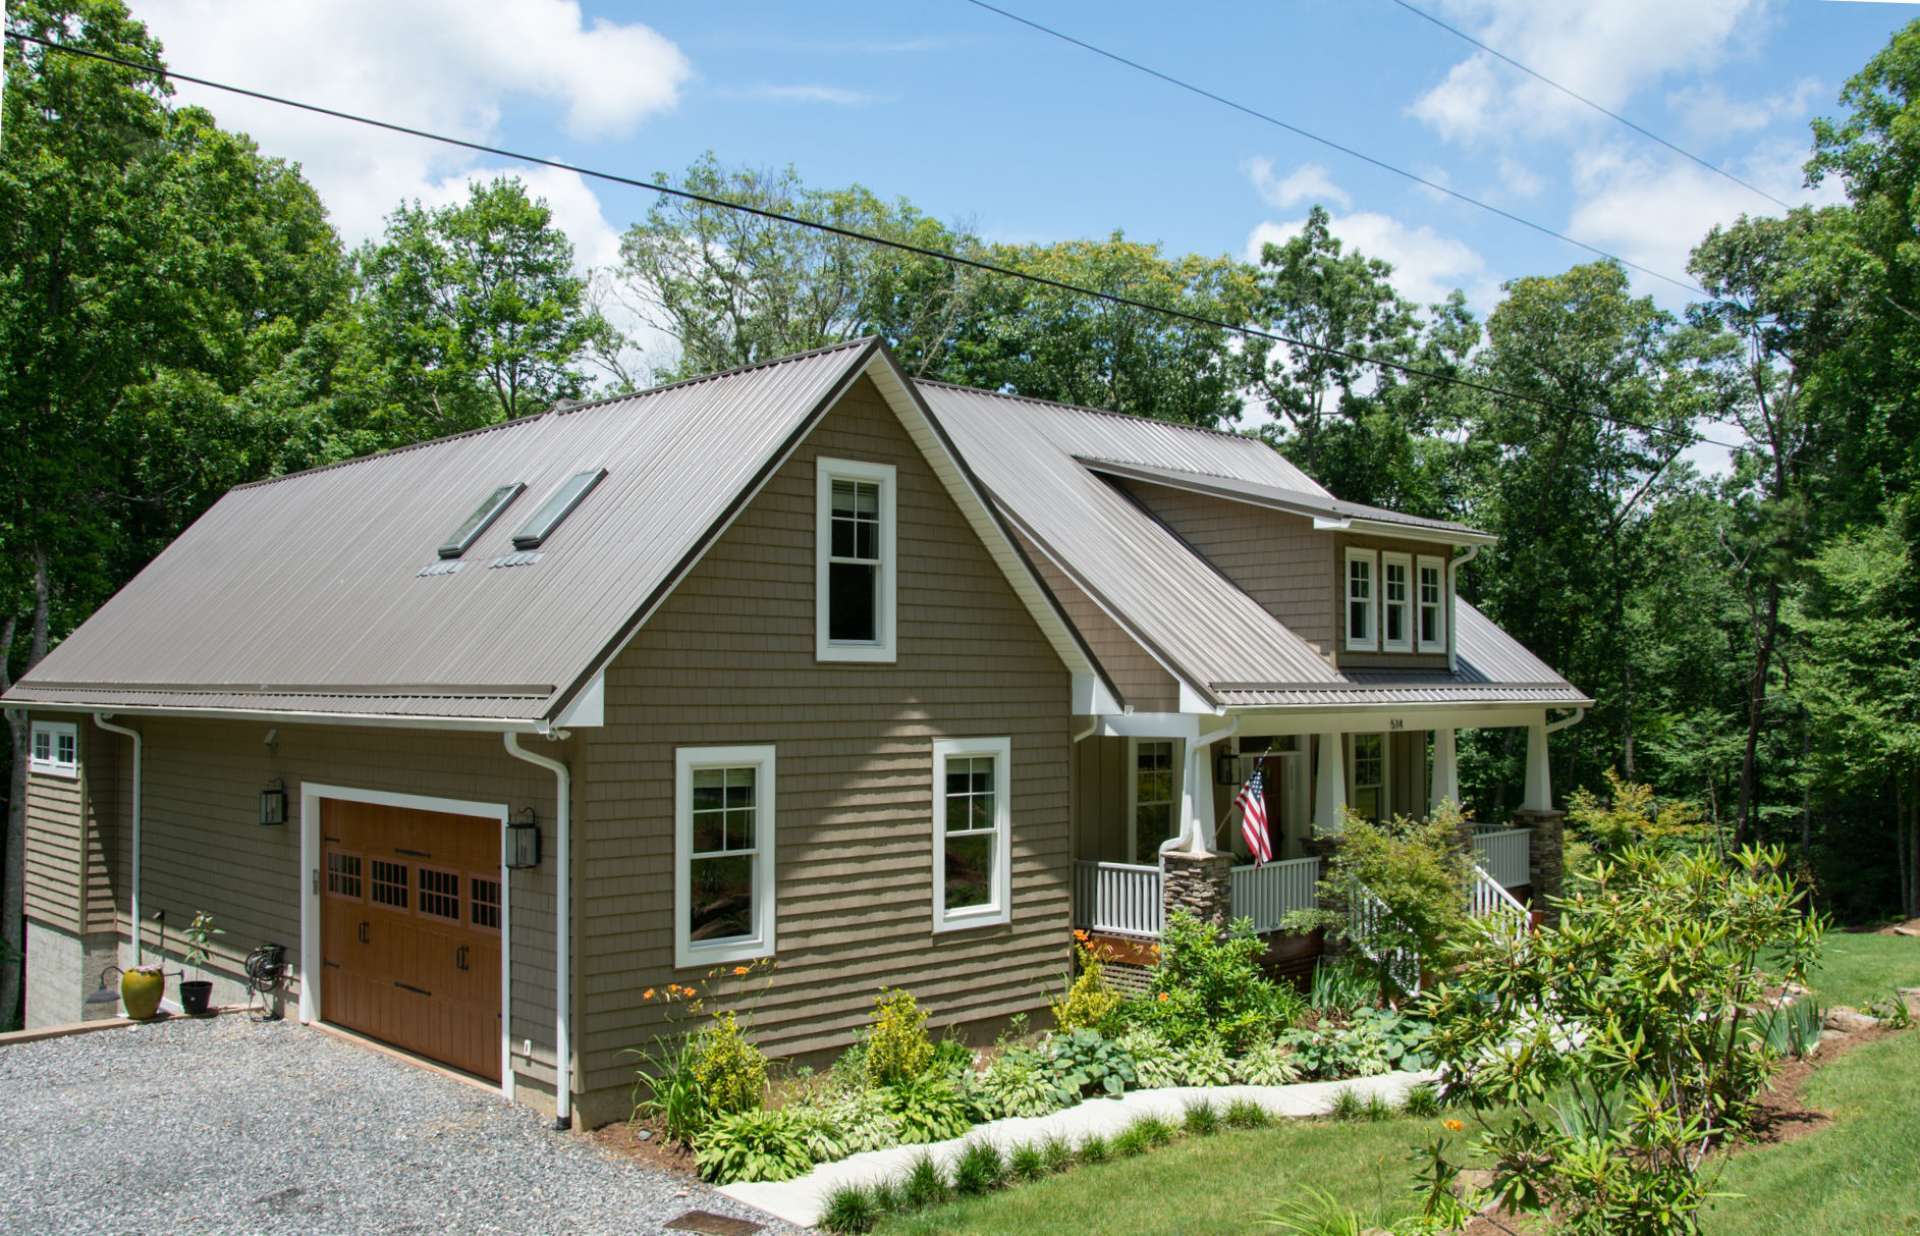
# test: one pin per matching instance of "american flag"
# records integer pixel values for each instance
(1253, 817)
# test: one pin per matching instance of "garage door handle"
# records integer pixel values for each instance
(460, 957)
(363, 931)
(418, 991)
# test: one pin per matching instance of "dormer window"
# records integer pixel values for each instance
(1396, 602)
(854, 576)
(1362, 635)
(482, 518)
(1431, 621)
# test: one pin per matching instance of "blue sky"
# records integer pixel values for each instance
(976, 119)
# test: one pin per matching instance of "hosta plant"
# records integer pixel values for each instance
(1154, 1063)
(1087, 1062)
(1267, 1064)
(929, 1108)
(1203, 1062)
(1020, 1082)
(753, 1145)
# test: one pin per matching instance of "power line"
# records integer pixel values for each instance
(940, 255)
(1423, 181)
(1575, 95)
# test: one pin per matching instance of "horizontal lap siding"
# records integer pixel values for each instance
(1277, 559)
(56, 849)
(1144, 684)
(101, 754)
(729, 659)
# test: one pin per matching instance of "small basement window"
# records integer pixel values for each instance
(556, 508)
(56, 749)
(482, 518)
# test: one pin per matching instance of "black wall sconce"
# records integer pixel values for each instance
(523, 841)
(1226, 769)
(273, 803)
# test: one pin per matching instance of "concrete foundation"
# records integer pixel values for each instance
(61, 969)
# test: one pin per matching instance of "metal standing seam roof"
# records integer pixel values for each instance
(1207, 630)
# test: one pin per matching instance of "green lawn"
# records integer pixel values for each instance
(1856, 1175)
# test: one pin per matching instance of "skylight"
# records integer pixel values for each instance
(482, 518)
(556, 508)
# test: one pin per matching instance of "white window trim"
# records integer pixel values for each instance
(999, 909)
(1371, 642)
(759, 943)
(886, 648)
(53, 765)
(1439, 641)
(1386, 771)
(1133, 787)
(1405, 643)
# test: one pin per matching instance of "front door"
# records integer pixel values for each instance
(410, 913)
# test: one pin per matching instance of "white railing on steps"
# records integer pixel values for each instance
(1367, 915)
(1488, 899)
(1506, 853)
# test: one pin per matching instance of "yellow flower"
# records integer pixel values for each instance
(1452, 1126)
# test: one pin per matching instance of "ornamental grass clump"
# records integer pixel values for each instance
(1201, 1119)
(979, 1169)
(925, 1184)
(850, 1210)
(1246, 1114)
(1026, 1162)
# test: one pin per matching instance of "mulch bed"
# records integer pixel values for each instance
(623, 1138)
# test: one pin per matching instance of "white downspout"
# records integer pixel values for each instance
(1453, 614)
(133, 879)
(562, 932)
(1554, 727)
(1093, 723)
(1191, 807)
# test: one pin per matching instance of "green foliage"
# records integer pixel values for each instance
(730, 1071)
(979, 1169)
(1209, 984)
(928, 1108)
(1087, 1062)
(1130, 1141)
(753, 1145)
(1027, 1163)
(925, 1183)
(1627, 816)
(952, 1057)
(1201, 1119)
(1366, 1042)
(199, 936)
(1659, 959)
(851, 1209)
(1792, 1029)
(1267, 1064)
(1021, 1082)
(1340, 986)
(1246, 1114)
(1202, 1062)
(1154, 1063)
(1347, 1104)
(862, 1121)
(898, 1048)
(1154, 1131)
(1090, 1003)
(1422, 1100)
(1095, 1149)
(1058, 1153)
(666, 1091)
(1316, 1213)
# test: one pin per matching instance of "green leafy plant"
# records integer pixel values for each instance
(1201, 1119)
(851, 1209)
(1154, 1063)
(1027, 1163)
(1020, 1082)
(199, 936)
(1209, 984)
(1422, 1100)
(665, 1090)
(1130, 1141)
(1090, 1002)
(925, 1184)
(1269, 1063)
(1058, 1153)
(825, 1141)
(898, 1048)
(979, 1169)
(1087, 1062)
(1095, 1149)
(753, 1145)
(1246, 1114)
(1658, 959)
(928, 1108)
(1628, 815)
(1156, 1131)
(1347, 1104)
(1339, 987)
(1203, 1062)
(952, 1057)
(1793, 1029)
(1316, 1213)
(861, 1120)
(730, 1071)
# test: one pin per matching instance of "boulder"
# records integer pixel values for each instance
(1848, 1021)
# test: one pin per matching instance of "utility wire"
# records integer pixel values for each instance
(940, 255)
(1575, 95)
(1329, 143)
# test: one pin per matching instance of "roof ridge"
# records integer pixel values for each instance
(1016, 397)
(555, 410)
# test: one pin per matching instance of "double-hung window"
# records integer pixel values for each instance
(972, 829)
(1153, 793)
(1431, 593)
(56, 749)
(1369, 794)
(855, 569)
(1361, 600)
(723, 854)
(1396, 602)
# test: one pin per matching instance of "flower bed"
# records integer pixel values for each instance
(1211, 1018)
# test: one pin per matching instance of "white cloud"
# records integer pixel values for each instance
(1426, 265)
(1707, 111)
(1308, 182)
(432, 64)
(839, 96)
(1518, 180)
(1607, 52)
(1653, 211)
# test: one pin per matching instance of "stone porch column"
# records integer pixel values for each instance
(1201, 884)
(1546, 868)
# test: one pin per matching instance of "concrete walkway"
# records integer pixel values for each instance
(801, 1201)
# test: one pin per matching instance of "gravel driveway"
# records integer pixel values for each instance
(235, 1126)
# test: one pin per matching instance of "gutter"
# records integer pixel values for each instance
(491, 725)
(563, 921)
(133, 881)
(1554, 727)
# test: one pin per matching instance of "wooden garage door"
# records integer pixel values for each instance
(410, 930)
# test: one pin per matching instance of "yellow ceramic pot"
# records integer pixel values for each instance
(140, 990)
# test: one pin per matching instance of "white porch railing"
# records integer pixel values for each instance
(1119, 898)
(1506, 854)
(1366, 916)
(1268, 894)
(1487, 899)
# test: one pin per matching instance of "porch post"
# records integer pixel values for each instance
(1329, 786)
(1539, 788)
(1446, 769)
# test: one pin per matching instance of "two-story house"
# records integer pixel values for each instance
(890, 682)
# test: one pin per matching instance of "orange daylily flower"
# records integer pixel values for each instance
(740, 969)
(1453, 1126)
(647, 994)
(1163, 997)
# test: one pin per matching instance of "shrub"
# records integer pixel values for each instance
(898, 1048)
(1246, 1114)
(1209, 984)
(925, 1183)
(1090, 1002)
(1154, 1064)
(730, 1071)
(753, 1145)
(1269, 1063)
(1601, 828)
(1020, 1082)
(928, 1108)
(1026, 1162)
(1658, 956)
(850, 1209)
(1087, 1062)
(665, 1090)
(1058, 1153)
(1203, 1062)
(979, 1169)
(1201, 1119)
